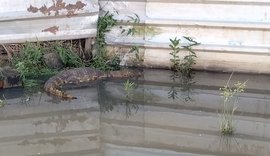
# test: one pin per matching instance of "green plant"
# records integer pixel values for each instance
(189, 59)
(100, 60)
(184, 66)
(2, 77)
(230, 99)
(108, 102)
(175, 60)
(134, 20)
(105, 24)
(105, 64)
(181, 88)
(2, 103)
(173, 93)
(136, 51)
(67, 55)
(30, 64)
(129, 89)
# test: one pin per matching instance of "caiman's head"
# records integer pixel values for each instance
(125, 73)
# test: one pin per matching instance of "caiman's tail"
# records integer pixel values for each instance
(52, 89)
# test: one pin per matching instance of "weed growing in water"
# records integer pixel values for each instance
(3, 102)
(108, 102)
(230, 100)
(129, 89)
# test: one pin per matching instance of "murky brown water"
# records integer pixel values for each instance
(103, 121)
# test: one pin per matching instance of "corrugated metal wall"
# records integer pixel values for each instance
(234, 34)
(32, 20)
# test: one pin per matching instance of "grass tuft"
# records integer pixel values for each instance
(230, 97)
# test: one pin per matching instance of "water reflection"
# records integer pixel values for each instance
(108, 102)
(104, 121)
(181, 86)
(11, 93)
(228, 143)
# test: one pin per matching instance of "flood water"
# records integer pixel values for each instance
(159, 117)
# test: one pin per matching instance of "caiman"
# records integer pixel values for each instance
(82, 75)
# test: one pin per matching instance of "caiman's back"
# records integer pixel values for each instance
(71, 76)
(82, 75)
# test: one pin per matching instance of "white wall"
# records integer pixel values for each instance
(29, 20)
(234, 34)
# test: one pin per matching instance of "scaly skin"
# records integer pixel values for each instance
(82, 75)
